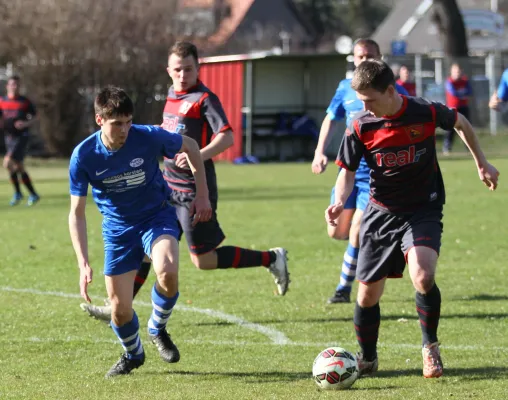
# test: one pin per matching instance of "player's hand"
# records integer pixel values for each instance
(319, 163)
(489, 175)
(332, 213)
(20, 125)
(85, 278)
(181, 161)
(494, 102)
(201, 210)
(7, 161)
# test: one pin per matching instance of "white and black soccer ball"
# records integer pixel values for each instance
(335, 368)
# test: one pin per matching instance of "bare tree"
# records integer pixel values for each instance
(66, 49)
(450, 24)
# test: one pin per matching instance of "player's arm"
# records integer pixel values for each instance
(334, 113)
(320, 160)
(77, 229)
(220, 143)
(350, 153)
(215, 116)
(32, 117)
(501, 96)
(202, 209)
(487, 172)
(448, 119)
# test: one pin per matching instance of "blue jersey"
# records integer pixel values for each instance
(502, 90)
(127, 184)
(345, 104)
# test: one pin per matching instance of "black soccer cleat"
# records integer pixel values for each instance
(340, 297)
(167, 349)
(125, 365)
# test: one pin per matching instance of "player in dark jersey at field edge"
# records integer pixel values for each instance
(17, 114)
(194, 110)
(402, 223)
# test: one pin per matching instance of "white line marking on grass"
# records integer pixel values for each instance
(277, 337)
(234, 343)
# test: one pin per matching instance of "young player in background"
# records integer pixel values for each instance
(195, 111)
(405, 81)
(458, 94)
(17, 114)
(403, 221)
(345, 104)
(121, 163)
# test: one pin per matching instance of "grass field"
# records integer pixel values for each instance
(238, 340)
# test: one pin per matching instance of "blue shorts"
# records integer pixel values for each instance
(126, 245)
(358, 198)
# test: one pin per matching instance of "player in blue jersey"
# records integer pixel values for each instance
(345, 104)
(501, 96)
(121, 164)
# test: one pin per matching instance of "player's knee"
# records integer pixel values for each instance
(354, 231)
(167, 278)
(367, 299)
(203, 263)
(424, 282)
(336, 233)
(368, 295)
(120, 314)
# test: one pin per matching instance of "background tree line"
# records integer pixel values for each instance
(66, 49)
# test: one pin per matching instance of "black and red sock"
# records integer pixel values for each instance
(237, 257)
(27, 182)
(15, 182)
(367, 320)
(428, 307)
(141, 276)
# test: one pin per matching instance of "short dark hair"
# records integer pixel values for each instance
(373, 74)
(13, 78)
(112, 101)
(367, 42)
(185, 49)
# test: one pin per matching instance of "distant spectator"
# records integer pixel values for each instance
(405, 80)
(458, 93)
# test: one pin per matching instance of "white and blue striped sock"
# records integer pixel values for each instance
(162, 309)
(128, 335)
(348, 273)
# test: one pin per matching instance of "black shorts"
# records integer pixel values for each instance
(385, 240)
(204, 236)
(16, 146)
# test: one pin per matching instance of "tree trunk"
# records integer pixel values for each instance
(451, 28)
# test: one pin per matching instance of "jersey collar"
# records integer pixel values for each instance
(198, 82)
(401, 110)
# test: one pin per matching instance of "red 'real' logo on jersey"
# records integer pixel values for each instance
(171, 125)
(400, 158)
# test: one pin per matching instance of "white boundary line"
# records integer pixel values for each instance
(277, 337)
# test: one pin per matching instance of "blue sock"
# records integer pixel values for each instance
(129, 337)
(348, 273)
(162, 309)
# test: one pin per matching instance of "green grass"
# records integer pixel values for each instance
(50, 350)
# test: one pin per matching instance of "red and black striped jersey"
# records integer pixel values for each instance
(400, 151)
(15, 109)
(196, 113)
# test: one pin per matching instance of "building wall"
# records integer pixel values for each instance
(226, 81)
(305, 84)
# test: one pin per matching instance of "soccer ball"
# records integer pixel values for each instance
(335, 368)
